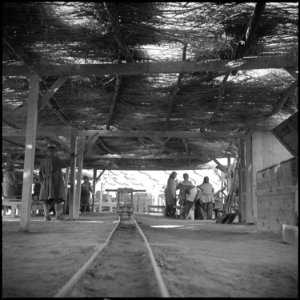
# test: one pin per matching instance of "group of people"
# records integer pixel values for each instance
(49, 187)
(198, 199)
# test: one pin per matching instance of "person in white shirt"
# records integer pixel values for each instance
(187, 195)
(207, 198)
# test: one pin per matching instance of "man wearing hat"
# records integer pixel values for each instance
(170, 195)
(52, 182)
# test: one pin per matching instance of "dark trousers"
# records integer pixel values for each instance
(187, 206)
(84, 207)
(206, 210)
(198, 211)
(170, 210)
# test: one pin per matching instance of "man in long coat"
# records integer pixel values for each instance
(170, 195)
(52, 182)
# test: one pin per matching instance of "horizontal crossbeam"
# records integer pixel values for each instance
(124, 133)
(246, 63)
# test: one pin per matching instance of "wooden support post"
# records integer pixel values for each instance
(30, 140)
(79, 175)
(66, 189)
(101, 198)
(229, 179)
(73, 174)
(242, 182)
(94, 189)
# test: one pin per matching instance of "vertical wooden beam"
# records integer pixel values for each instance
(229, 179)
(242, 182)
(94, 188)
(66, 189)
(249, 178)
(101, 198)
(79, 175)
(73, 174)
(30, 141)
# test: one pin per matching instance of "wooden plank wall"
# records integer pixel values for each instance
(276, 196)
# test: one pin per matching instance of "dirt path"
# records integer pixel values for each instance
(39, 263)
(197, 258)
(213, 260)
(122, 270)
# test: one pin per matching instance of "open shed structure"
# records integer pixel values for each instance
(143, 86)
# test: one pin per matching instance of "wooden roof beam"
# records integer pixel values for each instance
(239, 52)
(53, 131)
(245, 63)
(51, 91)
(279, 104)
(90, 143)
(177, 89)
(114, 102)
(104, 147)
(25, 58)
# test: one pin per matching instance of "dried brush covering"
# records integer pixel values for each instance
(136, 32)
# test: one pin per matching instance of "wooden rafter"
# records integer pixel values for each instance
(90, 143)
(279, 104)
(99, 176)
(187, 151)
(114, 102)
(114, 18)
(220, 166)
(177, 89)
(52, 90)
(159, 143)
(239, 52)
(151, 156)
(126, 133)
(104, 147)
(22, 56)
(214, 65)
(62, 144)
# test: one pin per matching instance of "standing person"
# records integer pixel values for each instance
(9, 181)
(86, 190)
(207, 198)
(170, 195)
(52, 182)
(187, 194)
(36, 193)
(198, 209)
(36, 189)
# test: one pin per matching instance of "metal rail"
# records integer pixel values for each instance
(75, 278)
(68, 287)
(161, 284)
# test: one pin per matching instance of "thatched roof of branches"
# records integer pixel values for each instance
(148, 85)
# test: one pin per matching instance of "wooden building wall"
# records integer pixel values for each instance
(276, 195)
(259, 150)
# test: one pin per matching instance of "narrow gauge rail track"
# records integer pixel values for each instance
(124, 266)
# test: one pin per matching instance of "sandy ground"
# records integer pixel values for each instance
(197, 258)
(122, 270)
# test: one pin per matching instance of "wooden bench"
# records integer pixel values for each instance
(16, 204)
